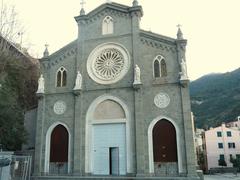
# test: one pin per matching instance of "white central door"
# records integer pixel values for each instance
(109, 149)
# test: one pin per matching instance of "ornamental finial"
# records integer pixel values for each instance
(135, 3)
(82, 3)
(46, 53)
(179, 33)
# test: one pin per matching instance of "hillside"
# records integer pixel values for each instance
(215, 98)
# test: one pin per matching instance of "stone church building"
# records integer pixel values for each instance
(115, 102)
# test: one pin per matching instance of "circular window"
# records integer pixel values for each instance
(59, 107)
(108, 63)
(161, 100)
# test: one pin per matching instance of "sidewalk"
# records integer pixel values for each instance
(222, 177)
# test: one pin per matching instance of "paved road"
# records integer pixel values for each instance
(222, 177)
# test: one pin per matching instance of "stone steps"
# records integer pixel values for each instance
(109, 178)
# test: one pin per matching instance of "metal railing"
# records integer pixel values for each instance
(15, 168)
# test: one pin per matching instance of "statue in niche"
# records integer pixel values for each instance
(183, 73)
(78, 82)
(137, 75)
(40, 85)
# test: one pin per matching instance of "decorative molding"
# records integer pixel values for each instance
(106, 12)
(158, 45)
(58, 58)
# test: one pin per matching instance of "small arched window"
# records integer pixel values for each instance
(159, 67)
(156, 69)
(107, 25)
(61, 77)
(163, 68)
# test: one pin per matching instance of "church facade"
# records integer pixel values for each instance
(115, 102)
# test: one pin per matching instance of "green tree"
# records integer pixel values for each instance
(18, 80)
(222, 162)
(12, 133)
(236, 162)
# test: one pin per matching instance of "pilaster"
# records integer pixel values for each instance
(188, 133)
(39, 154)
(139, 130)
(136, 14)
(77, 139)
(82, 32)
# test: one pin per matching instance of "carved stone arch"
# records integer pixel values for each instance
(88, 136)
(107, 25)
(150, 143)
(48, 145)
(159, 67)
(61, 77)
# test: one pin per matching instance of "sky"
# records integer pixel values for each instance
(212, 27)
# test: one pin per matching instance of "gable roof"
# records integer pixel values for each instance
(155, 36)
(114, 6)
(71, 45)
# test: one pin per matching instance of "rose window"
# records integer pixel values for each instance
(109, 64)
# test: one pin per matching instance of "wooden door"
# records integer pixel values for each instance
(59, 145)
(164, 142)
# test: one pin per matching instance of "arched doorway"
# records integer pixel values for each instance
(164, 142)
(57, 149)
(108, 150)
(164, 147)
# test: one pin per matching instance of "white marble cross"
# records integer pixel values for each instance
(179, 25)
(83, 2)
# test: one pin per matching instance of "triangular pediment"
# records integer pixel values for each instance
(113, 7)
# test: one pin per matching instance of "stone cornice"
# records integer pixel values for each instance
(157, 37)
(60, 55)
(158, 41)
(110, 37)
(113, 9)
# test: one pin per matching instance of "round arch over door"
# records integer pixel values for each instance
(115, 119)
